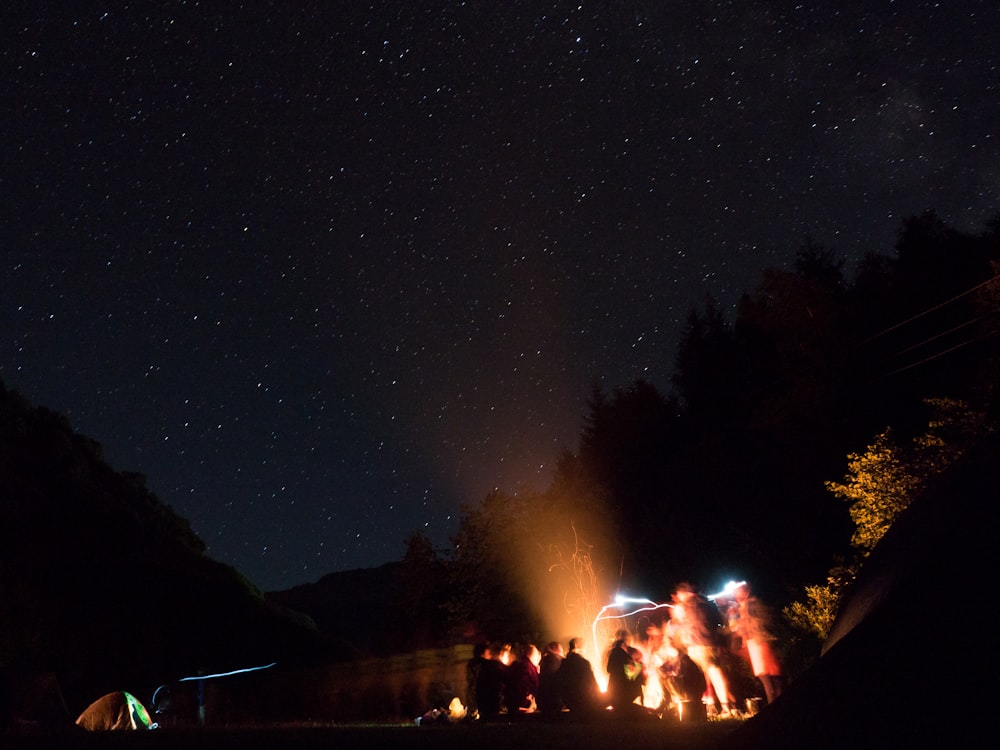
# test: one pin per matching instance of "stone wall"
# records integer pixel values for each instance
(388, 689)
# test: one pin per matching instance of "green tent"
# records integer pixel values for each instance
(114, 711)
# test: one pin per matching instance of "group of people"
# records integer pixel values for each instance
(549, 684)
(695, 650)
(703, 641)
(686, 653)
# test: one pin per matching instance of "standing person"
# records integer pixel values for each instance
(624, 674)
(750, 620)
(577, 682)
(549, 697)
(522, 681)
(695, 627)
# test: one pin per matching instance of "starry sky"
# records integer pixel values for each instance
(322, 271)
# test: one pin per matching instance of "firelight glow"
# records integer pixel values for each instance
(620, 604)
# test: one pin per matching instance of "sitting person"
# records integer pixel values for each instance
(521, 686)
(549, 696)
(577, 683)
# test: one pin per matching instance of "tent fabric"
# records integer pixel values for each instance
(115, 711)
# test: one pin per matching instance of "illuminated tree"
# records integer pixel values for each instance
(882, 481)
(880, 484)
(816, 614)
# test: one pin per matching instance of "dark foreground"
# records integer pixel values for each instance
(599, 735)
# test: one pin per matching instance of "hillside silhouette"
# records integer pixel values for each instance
(104, 585)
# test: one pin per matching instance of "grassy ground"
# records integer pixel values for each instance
(522, 735)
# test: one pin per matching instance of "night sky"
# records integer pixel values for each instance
(322, 271)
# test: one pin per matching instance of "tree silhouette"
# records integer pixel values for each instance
(418, 618)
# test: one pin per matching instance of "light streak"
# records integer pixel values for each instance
(620, 603)
(226, 674)
(629, 606)
(727, 590)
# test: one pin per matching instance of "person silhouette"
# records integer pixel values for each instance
(625, 674)
(577, 682)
